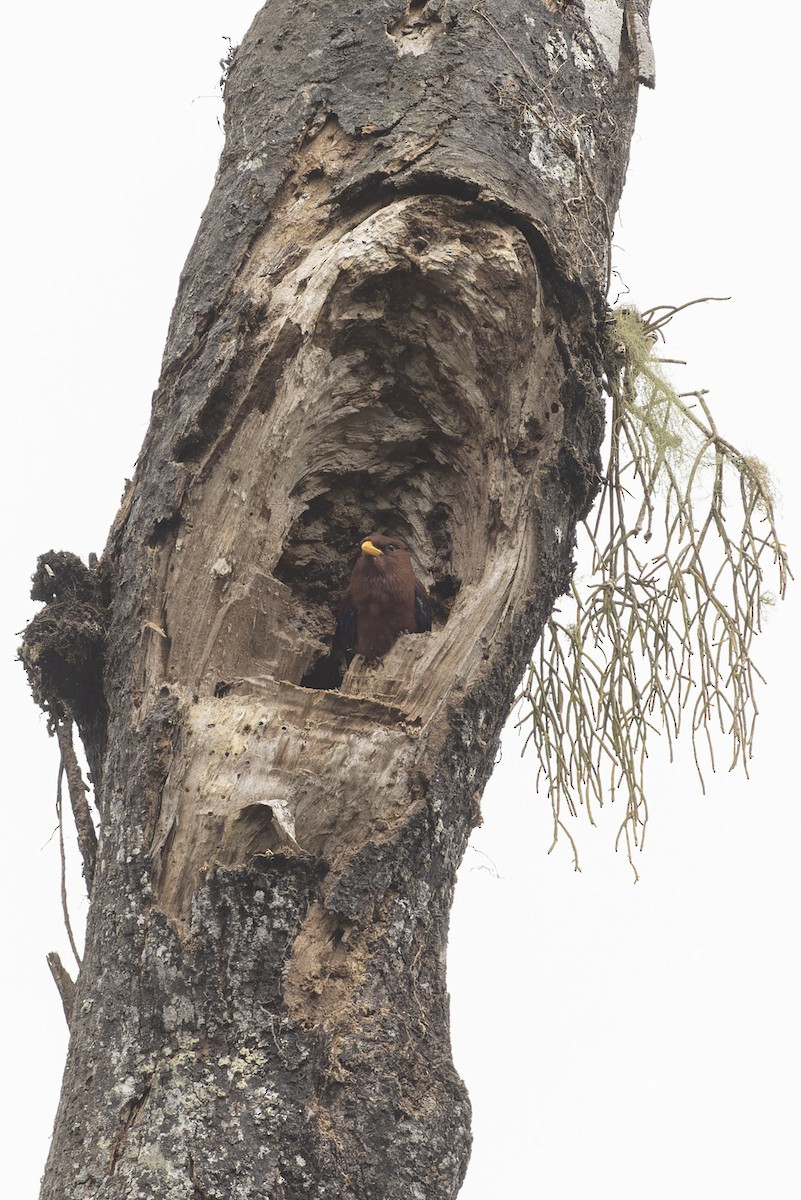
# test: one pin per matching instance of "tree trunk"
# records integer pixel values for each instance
(392, 319)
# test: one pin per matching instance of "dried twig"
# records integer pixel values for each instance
(64, 905)
(84, 826)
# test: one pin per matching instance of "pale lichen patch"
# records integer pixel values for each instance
(556, 49)
(605, 20)
(583, 52)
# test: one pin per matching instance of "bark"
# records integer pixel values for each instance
(391, 319)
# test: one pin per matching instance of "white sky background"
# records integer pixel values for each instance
(618, 1040)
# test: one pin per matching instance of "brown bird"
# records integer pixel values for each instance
(384, 600)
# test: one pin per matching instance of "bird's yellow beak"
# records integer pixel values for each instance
(370, 549)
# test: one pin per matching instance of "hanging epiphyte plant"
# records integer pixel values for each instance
(658, 635)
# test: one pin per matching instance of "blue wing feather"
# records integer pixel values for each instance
(346, 628)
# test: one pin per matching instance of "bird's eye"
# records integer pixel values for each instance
(390, 546)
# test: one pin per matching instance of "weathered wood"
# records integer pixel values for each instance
(391, 319)
(64, 982)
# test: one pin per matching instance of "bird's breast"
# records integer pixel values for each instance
(384, 607)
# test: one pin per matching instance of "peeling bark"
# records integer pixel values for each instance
(391, 320)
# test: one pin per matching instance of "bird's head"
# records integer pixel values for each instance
(385, 556)
(379, 546)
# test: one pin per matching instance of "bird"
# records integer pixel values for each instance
(383, 600)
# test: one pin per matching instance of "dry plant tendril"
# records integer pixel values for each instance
(659, 636)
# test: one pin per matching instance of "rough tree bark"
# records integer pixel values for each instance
(392, 318)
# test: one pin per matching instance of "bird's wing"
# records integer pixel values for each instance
(422, 608)
(346, 627)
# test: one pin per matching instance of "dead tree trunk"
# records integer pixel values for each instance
(391, 319)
